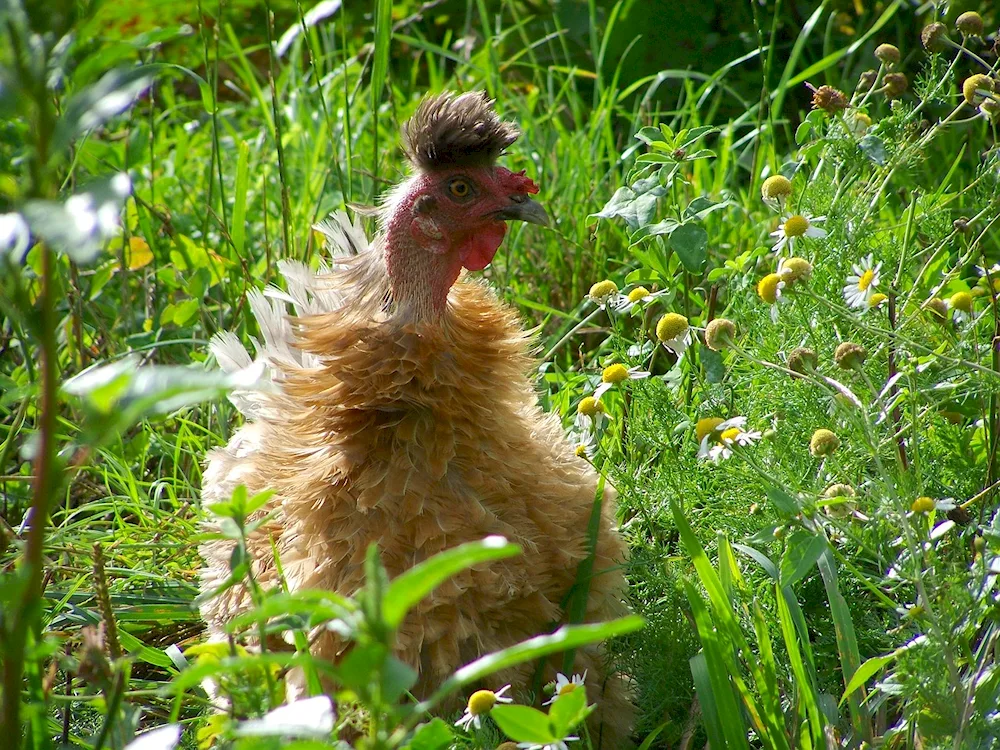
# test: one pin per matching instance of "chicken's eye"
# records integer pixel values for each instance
(460, 188)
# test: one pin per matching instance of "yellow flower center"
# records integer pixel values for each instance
(794, 269)
(590, 407)
(706, 427)
(768, 288)
(774, 187)
(823, 443)
(796, 226)
(863, 119)
(670, 326)
(730, 434)
(581, 451)
(866, 280)
(637, 294)
(922, 505)
(877, 299)
(569, 687)
(614, 374)
(962, 301)
(603, 289)
(481, 702)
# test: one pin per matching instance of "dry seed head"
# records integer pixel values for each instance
(961, 301)
(507, 746)
(802, 360)
(991, 109)
(767, 288)
(839, 490)
(614, 374)
(937, 308)
(866, 80)
(829, 99)
(670, 326)
(974, 84)
(969, 23)
(933, 37)
(895, 85)
(887, 53)
(705, 427)
(775, 187)
(850, 356)
(823, 442)
(794, 269)
(719, 334)
(922, 504)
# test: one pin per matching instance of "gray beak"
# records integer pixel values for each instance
(523, 208)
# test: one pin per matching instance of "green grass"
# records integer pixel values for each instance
(236, 152)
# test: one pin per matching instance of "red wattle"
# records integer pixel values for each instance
(478, 250)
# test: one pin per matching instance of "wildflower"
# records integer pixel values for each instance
(792, 269)
(719, 334)
(895, 85)
(961, 303)
(866, 80)
(615, 374)
(564, 685)
(705, 427)
(591, 416)
(858, 123)
(990, 109)
(674, 332)
(860, 286)
(823, 443)
(850, 356)
(717, 444)
(639, 294)
(923, 505)
(937, 308)
(769, 289)
(839, 508)
(775, 190)
(876, 300)
(887, 54)
(604, 293)
(481, 703)
(934, 36)
(969, 23)
(796, 226)
(580, 451)
(802, 360)
(557, 745)
(590, 407)
(829, 99)
(974, 86)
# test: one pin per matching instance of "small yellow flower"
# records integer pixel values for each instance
(922, 504)
(481, 703)
(793, 269)
(580, 451)
(706, 426)
(719, 334)
(769, 288)
(775, 189)
(876, 299)
(973, 85)
(565, 685)
(793, 228)
(614, 374)
(590, 407)
(823, 443)
(717, 444)
(640, 292)
(961, 301)
(673, 331)
(796, 226)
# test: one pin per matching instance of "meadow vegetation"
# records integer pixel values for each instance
(766, 310)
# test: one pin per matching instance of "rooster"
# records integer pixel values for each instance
(402, 414)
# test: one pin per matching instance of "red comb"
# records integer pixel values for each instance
(517, 182)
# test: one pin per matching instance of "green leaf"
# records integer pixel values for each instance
(115, 92)
(785, 504)
(434, 735)
(523, 724)
(690, 242)
(412, 586)
(397, 678)
(567, 711)
(865, 672)
(873, 147)
(383, 41)
(802, 550)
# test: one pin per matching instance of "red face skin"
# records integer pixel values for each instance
(448, 219)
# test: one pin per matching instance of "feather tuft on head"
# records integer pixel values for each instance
(449, 131)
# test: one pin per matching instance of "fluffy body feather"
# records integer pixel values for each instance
(418, 434)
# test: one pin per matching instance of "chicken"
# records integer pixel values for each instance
(402, 413)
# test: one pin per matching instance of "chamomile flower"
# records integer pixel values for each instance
(794, 269)
(557, 745)
(481, 703)
(616, 374)
(638, 296)
(769, 289)
(794, 227)
(674, 331)
(717, 444)
(591, 416)
(861, 285)
(961, 304)
(605, 293)
(566, 685)
(775, 191)
(877, 300)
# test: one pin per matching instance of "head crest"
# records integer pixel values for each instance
(449, 130)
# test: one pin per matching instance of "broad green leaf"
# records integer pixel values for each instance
(434, 735)
(411, 587)
(865, 672)
(567, 711)
(802, 550)
(785, 504)
(690, 242)
(523, 724)
(873, 147)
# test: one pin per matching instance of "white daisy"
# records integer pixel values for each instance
(640, 296)
(793, 227)
(769, 289)
(717, 445)
(862, 284)
(591, 416)
(605, 294)
(615, 374)
(564, 685)
(481, 703)
(557, 745)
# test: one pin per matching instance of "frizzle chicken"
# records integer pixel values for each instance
(403, 414)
